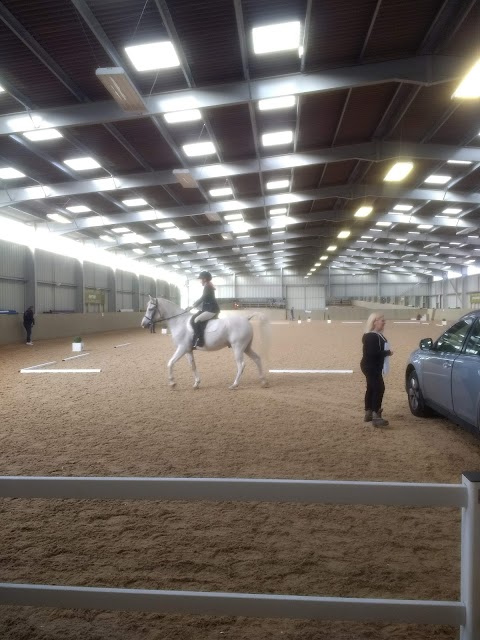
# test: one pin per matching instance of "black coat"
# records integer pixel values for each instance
(374, 352)
(28, 318)
(207, 302)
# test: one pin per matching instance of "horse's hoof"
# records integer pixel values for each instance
(265, 384)
(172, 385)
(233, 387)
(196, 386)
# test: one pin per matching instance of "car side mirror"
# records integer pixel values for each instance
(426, 343)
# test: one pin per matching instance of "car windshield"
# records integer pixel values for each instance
(452, 340)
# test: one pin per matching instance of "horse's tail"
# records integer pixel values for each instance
(265, 333)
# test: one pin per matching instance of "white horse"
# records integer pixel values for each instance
(234, 331)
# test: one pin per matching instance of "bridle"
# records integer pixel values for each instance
(155, 308)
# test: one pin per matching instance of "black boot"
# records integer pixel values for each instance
(200, 334)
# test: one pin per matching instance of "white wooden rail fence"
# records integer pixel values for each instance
(465, 613)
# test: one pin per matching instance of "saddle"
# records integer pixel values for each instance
(200, 328)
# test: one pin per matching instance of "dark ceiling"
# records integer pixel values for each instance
(374, 85)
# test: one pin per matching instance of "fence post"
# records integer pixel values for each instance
(470, 557)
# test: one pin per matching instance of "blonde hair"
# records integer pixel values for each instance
(371, 320)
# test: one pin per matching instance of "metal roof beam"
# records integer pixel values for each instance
(348, 192)
(420, 70)
(373, 151)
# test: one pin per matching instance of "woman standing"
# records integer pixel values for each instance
(207, 306)
(28, 322)
(375, 350)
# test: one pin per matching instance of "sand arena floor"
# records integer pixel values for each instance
(126, 421)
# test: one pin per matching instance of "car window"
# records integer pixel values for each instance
(473, 343)
(452, 340)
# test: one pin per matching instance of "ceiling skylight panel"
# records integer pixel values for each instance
(57, 217)
(152, 56)
(165, 225)
(437, 179)
(282, 36)
(277, 184)
(282, 102)
(277, 138)
(188, 115)
(134, 202)
(199, 149)
(42, 134)
(82, 164)
(79, 208)
(9, 173)
(403, 207)
(223, 191)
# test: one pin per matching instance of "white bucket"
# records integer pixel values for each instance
(329, 322)
(77, 346)
(164, 331)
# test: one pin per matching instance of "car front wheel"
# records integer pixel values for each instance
(415, 397)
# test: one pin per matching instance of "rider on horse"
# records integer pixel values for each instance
(208, 309)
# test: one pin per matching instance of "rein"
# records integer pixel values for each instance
(162, 319)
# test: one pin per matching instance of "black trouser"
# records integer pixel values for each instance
(28, 329)
(375, 389)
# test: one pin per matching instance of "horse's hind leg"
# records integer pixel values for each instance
(191, 360)
(238, 353)
(258, 361)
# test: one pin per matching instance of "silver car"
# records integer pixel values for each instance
(444, 376)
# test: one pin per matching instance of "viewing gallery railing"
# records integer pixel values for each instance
(248, 303)
(465, 613)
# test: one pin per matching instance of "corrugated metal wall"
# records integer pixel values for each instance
(125, 289)
(13, 275)
(95, 276)
(163, 289)
(146, 287)
(56, 286)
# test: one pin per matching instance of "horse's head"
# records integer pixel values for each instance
(152, 313)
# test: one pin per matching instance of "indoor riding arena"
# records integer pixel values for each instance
(224, 226)
(126, 421)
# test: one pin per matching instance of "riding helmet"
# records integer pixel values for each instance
(205, 275)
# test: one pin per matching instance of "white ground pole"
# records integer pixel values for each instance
(60, 370)
(125, 344)
(81, 355)
(464, 614)
(310, 371)
(35, 366)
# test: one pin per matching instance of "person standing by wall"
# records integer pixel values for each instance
(375, 350)
(292, 314)
(28, 322)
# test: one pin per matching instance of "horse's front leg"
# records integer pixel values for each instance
(181, 350)
(191, 360)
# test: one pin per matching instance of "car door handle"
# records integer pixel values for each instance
(447, 365)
